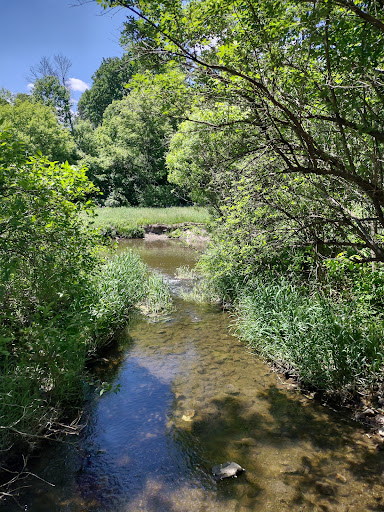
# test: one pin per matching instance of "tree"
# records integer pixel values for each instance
(126, 153)
(49, 91)
(50, 86)
(41, 233)
(204, 154)
(5, 96)
(59, 68)
(108, 85)
(310, 77)
(37, 127)
(132, 141)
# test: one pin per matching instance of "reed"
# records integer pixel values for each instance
(322, 343)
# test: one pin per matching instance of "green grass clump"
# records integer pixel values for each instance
(124, 283)
(326, 345)
(129, 222)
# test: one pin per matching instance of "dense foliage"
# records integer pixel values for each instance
(49, 91)
(37, 127)
(109, 82)
(316, 154)
(125, 155)
(59, 301)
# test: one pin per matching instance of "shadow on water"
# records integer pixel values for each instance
(316, 479)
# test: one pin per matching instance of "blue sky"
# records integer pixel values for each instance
(31, 29)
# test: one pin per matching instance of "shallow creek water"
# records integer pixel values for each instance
(192, 397)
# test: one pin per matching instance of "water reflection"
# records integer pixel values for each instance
(192, 397)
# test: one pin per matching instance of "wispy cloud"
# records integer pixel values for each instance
(75, 84)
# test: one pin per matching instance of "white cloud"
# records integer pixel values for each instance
(30, 87)
(75, 84)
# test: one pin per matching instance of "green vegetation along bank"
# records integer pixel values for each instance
(281, 133)
(60, 301)
(269, 114)
(327, 334)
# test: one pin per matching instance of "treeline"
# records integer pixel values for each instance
(280, 130)
(119, 132)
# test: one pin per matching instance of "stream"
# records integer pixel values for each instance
(191, 396)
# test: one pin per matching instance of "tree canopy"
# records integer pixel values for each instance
(49, 91)
(310, 77)
(109, 82)
(37, 127)
(127, 151)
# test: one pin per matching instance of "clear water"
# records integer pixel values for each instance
(192, 397)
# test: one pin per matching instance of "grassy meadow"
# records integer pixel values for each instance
(130, 222)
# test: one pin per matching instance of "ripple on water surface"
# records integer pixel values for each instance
(192, 397)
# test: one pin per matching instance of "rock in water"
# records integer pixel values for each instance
(227, 470)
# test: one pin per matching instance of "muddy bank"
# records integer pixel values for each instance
(190, 234)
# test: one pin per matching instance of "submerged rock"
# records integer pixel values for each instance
(188, 416)
(227, 470)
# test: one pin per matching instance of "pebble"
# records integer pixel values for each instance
(340, 478)
(227, 470)
(188, 415)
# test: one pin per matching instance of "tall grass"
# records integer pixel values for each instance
(326, 345)
(124, 283)
(129, 222)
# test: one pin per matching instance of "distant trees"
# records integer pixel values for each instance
(120, 134)
(58, 67)
(109, 82)
(36, 125)
(49, 91)
(5, 96)
(50, 86)
(126, 153)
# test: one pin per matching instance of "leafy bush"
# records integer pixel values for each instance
(46, 256)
